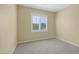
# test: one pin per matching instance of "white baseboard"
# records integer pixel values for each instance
(35, 39)
(77, 45)
(70, 42)
(9, 51)
(14, 49)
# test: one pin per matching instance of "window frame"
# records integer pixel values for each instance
(39, 24)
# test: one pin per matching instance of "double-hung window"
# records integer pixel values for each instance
(39, 23)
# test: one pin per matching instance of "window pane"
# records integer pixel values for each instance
(34, 19)
(43, 26)
(43, 23)
(35, 26)
(38, 19)
(43, 19)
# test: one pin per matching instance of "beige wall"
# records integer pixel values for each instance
(67, 24)
(7, 28)
(24, 25)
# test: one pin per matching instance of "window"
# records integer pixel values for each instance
(39, 23)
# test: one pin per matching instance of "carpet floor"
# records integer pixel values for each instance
(48, 46)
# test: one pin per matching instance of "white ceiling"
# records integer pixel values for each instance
(48, 7)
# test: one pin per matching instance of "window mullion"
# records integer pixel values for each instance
(39, 24)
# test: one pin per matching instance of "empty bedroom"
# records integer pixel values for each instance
(39, 28)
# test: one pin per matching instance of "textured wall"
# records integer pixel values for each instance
(24, 24)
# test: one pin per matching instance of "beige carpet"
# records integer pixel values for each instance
(48, 46)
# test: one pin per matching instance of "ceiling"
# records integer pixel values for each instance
(47, 7)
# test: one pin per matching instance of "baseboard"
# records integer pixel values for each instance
(11, 51)
(14, 49)
(70, 42)
(35, 39)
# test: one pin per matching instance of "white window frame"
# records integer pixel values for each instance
(39, 25)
